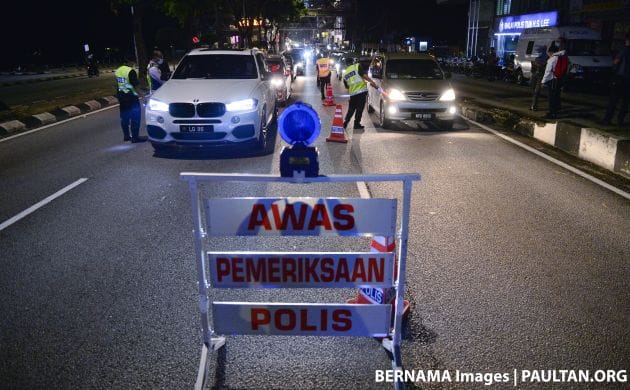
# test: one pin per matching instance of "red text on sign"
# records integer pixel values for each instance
(339, 320)
(301, 217)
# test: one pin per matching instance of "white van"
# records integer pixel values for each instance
(589, 59)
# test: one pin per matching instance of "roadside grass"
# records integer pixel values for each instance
(22, 112)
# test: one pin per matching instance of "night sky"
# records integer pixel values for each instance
(57, 32)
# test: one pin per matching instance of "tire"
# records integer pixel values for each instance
(263, 133)
(383, 122)
(370, 108)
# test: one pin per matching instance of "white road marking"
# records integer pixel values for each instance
(57, 123)
(39, 204)
(553, 160)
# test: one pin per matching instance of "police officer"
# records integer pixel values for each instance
(355, 79)
(128, 98)
(154, 71)
(323, 73)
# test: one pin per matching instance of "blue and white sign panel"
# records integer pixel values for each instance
(517, 23)
(300, 269)
(301, 319)
(300, 217)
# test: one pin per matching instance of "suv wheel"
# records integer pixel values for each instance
(383, 122)
(370, 108)
(263, 135)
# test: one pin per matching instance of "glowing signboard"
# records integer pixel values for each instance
(517, 23)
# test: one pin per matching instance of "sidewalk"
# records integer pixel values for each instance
(578, 130)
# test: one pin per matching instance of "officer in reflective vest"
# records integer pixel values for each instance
(128, 98)
(323, 73)
(355, 79)
(156, 76)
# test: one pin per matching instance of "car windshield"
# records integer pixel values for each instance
(275, 66)
(585, 47)
(216, 66)
(413, 69)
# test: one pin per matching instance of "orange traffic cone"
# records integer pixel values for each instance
(329, 101)
(336, 131)
(376, 295)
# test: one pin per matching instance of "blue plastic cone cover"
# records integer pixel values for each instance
(299, 124)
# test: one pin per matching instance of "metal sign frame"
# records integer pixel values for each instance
(212, 341)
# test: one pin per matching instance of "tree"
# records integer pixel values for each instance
(138, 10)
(189, 13)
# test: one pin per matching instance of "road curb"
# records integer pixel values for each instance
(90, 105)
(37, 120)
(11, 127)
(594, 145)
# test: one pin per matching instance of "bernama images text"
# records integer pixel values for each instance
(514, 377)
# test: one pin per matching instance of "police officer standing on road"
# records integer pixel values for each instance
(323, 73)
(155, 76)
(356, 79)
(128, 98)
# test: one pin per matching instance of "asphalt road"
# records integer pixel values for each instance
(514, 263)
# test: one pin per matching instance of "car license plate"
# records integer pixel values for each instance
(423, 116)
(196, 128)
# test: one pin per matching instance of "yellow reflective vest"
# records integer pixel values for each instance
(122, 80)
(323, 67)
(356, 84)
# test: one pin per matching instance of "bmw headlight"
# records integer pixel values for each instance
(395, 94)
(156, 105)
(448, 95)
(242, 105)
(276, 82)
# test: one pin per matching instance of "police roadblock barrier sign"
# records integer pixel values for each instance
(299, 216)
(305, 319)
(300, 269)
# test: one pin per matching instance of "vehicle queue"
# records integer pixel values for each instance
(220, 97)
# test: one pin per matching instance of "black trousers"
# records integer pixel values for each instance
(130, 119)
(536, 88)
(322, 85)
(618, 90)
(555, 86)
(355, 107)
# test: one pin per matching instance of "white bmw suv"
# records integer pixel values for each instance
(214, 97)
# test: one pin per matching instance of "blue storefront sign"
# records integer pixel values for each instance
(516, 24)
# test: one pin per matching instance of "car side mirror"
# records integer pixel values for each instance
(447, 75)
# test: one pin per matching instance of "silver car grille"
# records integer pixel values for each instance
(422, 96)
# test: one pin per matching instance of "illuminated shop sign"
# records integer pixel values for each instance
(516, 24)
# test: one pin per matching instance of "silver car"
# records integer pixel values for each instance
(411, 87)
(214, 97)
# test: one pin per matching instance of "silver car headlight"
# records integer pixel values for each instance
(156, 105)
(242, 105)
(396, 95)
(448, 95)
